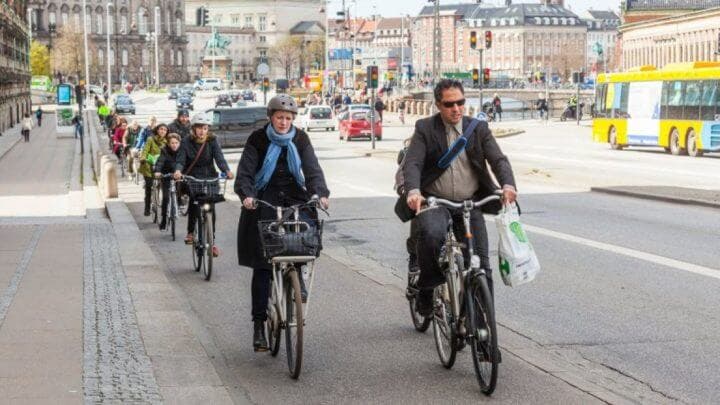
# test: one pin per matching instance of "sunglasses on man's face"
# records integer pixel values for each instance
(450, 104)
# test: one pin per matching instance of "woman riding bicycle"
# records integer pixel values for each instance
(148, 156)
(165, 165)
(119, 137)
(279, 166)
(197, 157)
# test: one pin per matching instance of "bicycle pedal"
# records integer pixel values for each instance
(260, 349)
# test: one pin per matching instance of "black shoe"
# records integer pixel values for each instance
(163, 223)
(147, 211)
(424, 302)
(259, 341)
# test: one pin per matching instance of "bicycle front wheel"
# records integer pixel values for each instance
(443, 327)
(482, 335)
(293, 323)
(209, 242)
(154, 203)
(196, 249)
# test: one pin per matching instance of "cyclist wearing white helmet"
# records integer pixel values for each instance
(278, 165)
(197, 157)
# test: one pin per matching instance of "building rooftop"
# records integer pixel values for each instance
(305, 27)
(392, 23)
(523, 14)
(603, 15)
(632, 5)
(462, 10)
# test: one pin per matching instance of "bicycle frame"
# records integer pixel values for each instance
(281, 266)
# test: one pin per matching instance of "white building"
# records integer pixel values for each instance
(242, 50)
(271, 20)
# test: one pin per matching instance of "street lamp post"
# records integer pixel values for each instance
(326, 70)
(107, 29)
(85, 41)
(157, 48)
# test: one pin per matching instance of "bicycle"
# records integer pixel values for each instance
(135, 154)
(288, 241)
(205, 193)
(463, 309)
(121, 159)
(155, 200)
(173, 210)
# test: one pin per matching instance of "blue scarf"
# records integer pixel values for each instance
(277, 143)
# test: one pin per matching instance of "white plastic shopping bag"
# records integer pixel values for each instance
(518, 262)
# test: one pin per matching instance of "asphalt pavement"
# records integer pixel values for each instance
(625, 300)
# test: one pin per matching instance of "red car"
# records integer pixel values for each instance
(356, 124)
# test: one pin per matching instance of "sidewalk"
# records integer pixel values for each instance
(678, 195)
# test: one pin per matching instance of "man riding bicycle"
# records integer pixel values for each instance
(464, 177)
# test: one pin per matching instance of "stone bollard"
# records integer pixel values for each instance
(108, 176)
(428, 108)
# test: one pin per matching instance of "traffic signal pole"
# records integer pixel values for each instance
(481, 81)
(372, 117)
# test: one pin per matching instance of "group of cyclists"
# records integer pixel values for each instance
(450, 156)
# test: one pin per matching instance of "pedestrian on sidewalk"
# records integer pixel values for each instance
(166, 165)
(379, 107)
(77, 122)
(27, 125)
(38, 115)
(497, 105)
(279, 166)
(150, 153)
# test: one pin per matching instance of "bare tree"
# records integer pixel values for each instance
(69, 53)
(286, 53)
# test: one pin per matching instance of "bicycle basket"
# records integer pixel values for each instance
(285, 240)
(212, 192)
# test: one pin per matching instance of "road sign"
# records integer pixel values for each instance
(263, 69)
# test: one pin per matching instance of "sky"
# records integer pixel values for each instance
(394, 8)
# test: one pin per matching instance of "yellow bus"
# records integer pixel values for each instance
(676, 107)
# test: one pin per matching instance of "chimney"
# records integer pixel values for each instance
(508, 3)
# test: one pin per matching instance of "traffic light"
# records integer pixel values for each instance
(476, 77)
(488, 39)
(486, 76)
(266, 84)
(203, 16)
(473, 40)
(372, 77)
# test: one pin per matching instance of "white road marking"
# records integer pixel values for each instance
(636, 254)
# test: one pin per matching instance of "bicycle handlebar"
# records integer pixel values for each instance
(313, 201)
(195, 179)
(467, 205)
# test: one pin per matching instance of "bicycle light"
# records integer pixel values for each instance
(206, 207)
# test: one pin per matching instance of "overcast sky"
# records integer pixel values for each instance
(393, 8)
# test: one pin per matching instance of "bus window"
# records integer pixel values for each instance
(675, 100)
(622, 109)
(707, 100)
(600, 100)
(691, 102)
(664, 100)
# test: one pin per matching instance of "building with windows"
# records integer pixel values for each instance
(271, 21)
(131, 29)
(14, 64)
(658, 32)
(688, 37)
(602, 28)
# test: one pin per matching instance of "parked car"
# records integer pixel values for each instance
(235, 95)
(209, 83)
(316, 116)
(124, 105)
(248, 95)
(233, 126)
(184, 101)
(356, 124)
(173, 93)
(223, 99)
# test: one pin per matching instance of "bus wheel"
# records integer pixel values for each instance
(675, 148)
(692, 147)
(613, 139)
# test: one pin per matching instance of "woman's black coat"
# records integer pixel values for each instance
(281, 190)
(205, 166)
(167, 160)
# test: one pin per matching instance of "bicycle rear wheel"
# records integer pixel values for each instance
(444, 326)
(196, 249)
(154, 203)
(482, 336)
(293, 323)
(420, 322)
(209, 241)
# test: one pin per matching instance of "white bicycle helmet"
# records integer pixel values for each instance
(200, 119)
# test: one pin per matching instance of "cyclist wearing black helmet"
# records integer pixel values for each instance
(206, 145)
(181, 125)
(278, 165)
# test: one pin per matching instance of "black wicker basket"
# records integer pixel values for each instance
(206, 191)
(306, 242)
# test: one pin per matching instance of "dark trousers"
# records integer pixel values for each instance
(165, 196)
(39, 120)
(148, 192)
(432, 227)
(26, 134)
(194, 213)
(260, 293)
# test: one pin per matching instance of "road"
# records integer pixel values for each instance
(627, 291)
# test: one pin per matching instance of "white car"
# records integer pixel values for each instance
(209, 83)
(317, 116)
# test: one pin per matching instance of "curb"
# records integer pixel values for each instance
(655, 197)
(510, 133)
(12, 145)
